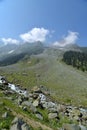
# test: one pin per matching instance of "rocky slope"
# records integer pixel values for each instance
(35, 109)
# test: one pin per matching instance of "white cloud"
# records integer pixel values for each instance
(9, 41)
(36, 34)
(71, 38)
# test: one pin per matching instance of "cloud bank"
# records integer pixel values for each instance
(71, 38)
(36, 34)
(10, 41)
(40, 34)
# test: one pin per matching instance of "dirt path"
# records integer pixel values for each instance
(33, 123)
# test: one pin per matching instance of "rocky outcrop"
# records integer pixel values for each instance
(19, 124)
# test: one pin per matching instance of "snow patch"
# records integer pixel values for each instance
(10, 51)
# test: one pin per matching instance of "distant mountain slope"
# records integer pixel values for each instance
(13, 54)
(73, 47)
(5, 49)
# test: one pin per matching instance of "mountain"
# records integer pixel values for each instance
(11, 54)
(73, 47)
(6, 49)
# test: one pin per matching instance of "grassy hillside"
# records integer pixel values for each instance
(66, 84)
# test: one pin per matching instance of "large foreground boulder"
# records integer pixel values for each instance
(83, 127)
(52, 115)
(19, 124)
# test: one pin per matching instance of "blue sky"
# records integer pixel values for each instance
(53, 21)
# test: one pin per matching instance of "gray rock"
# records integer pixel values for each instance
(25, 127)
(39, 116)
(24, 108)
(48, 105)
(36, 89)
(51, 104)
(17, 120)
(52, 110)
(83, 127)
(45, 105)
(83, 110)
(33, 109)
(27, 103)
(71, 127)
(61, 108)
(44, 90)
(52, 115)
(15, 127)
(18, 124)
(20, 100)
(42, 97)
(36, 103)
(5, 115)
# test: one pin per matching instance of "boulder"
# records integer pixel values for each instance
(20, 100)
(15, 127)
(33, 109)
(17, 120)
(51, 105)
(61, 108)
(44, 104)
(83, 127)
(52, 115)
(5, 115)
(25, 127)
(48, 105)
(44, 90)
(16, 124)
(36, 89)
(71, 127)
(19, 124)
(39, 116)
(42, 97)
(27, 103)
(36, 103)
(52, 110)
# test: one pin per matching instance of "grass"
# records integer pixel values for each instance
(4, 122)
